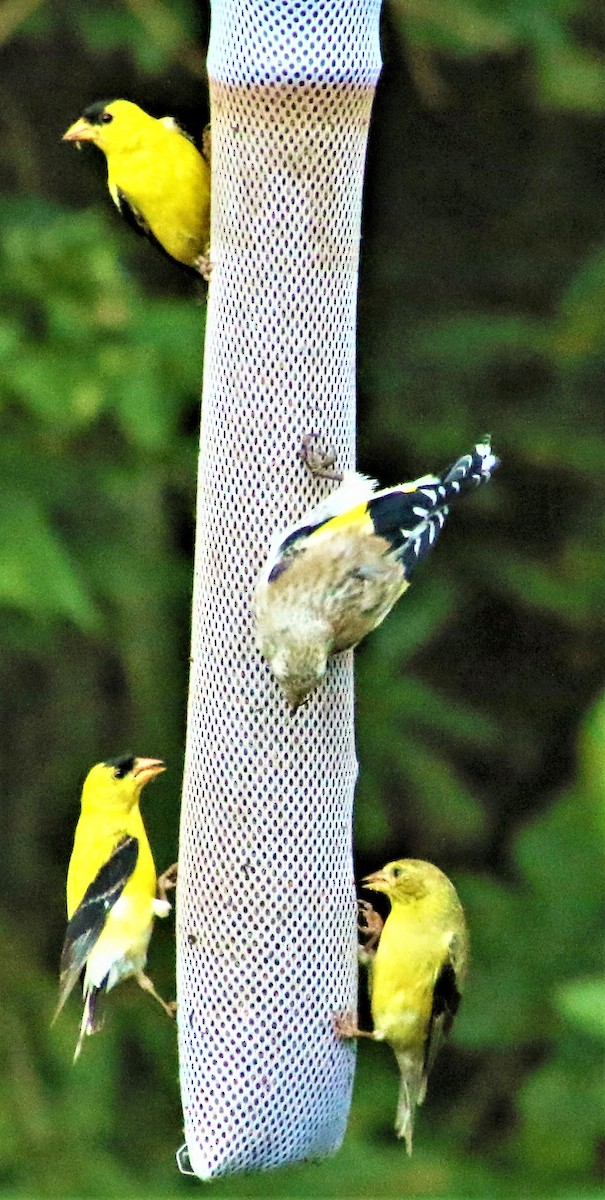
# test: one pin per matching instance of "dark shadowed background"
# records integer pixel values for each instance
(481, 711)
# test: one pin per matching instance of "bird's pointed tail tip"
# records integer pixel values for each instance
(489, 460)
(405, 1130)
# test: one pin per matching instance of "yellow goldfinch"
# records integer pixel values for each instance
(333, 576)
(415, 974)
(111, 888)
(156, 177)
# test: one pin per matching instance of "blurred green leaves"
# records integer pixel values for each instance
(98, 384)
(94, 344)
(44, 583)
(534, 946)
(582, 1002)
(481, 738)
(566, 72)
(96, 381)
(156, 32)
(397, 730)
(535, 940)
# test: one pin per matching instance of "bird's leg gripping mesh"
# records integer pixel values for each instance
(266, 907)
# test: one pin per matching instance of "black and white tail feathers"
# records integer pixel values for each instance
(412, 520)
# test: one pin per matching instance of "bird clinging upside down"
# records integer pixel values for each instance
(111, 888)
(335, 575)
(415, 974)
(156, 176)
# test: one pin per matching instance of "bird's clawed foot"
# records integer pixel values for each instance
(345, 1026)
(320, 463)
(203, 266)
(167, 881)
(144, 982)
(370, 924)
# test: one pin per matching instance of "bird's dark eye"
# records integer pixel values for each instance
(106, 118)
(396, 872)
(121, 766)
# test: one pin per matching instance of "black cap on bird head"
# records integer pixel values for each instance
(142, 769)
(96, 114)
(122, 765)
(88, 127)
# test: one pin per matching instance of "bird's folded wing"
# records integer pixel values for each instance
(172, 124)
(409, 521)
(446, 999)
(88, 920)
(131, 215)
(410, 517)
(136, 221)
(347, 503)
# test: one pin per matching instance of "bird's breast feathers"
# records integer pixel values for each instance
(405, 970)
(345, 583)
(121, 949)
(168, 190)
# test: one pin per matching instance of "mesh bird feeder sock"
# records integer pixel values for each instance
(266, 902)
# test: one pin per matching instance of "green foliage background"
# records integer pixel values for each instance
(481, 711)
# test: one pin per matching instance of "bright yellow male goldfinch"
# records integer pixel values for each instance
(336, 574)
(157, 178)
(111, 888)
(416, 973)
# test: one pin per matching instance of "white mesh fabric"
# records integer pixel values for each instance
(266, 903)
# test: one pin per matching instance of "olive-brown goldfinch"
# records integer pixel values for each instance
(333, 576)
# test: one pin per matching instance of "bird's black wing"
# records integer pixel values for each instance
(446, 1001)
(135, 220)
(133, 217)
(290, 549)
(411, 521)
(88, 921)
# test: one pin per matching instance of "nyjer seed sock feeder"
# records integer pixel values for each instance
(266, 902)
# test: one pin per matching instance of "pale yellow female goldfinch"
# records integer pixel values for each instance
(335, 575)
(416, 973)
(111, 888)
(156, 176)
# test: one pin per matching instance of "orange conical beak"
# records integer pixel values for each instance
(377, 882)
(146, 769)
(80, 131)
